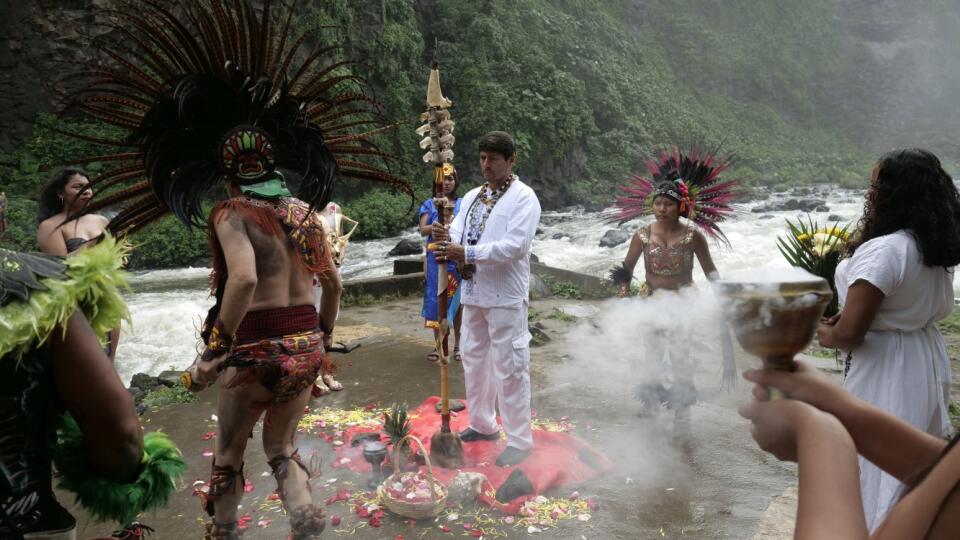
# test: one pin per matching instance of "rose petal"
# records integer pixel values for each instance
(208, 435)
(247, 486)
(207, 452)
(264, 523)
(335, 520)
(444, 528)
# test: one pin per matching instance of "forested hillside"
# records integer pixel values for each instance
(801, 92)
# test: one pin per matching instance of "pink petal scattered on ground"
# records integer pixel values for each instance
(247, 486)
(273, 496)
(374, 521)
(264, 523)
(208, 435)
(468, 526)
(446, 529)
(574, 496)
(244, 522)
(335, 520)
(208, 452)
(592, 504)
(398, 537)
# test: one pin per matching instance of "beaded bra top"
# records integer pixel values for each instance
(670, 260)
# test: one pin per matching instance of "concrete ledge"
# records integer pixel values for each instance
(585, 282)
(404, 285)
(408, 265)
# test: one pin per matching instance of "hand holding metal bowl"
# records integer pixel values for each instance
(775, 320)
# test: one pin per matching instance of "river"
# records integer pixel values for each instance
(167, 305)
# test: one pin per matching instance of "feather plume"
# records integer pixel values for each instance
(178, 76)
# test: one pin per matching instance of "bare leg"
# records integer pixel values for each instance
(238, 410)
(293, 482)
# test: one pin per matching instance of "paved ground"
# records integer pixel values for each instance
(716, 484)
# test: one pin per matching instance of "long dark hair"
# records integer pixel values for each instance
(51, 202)
(912, 191)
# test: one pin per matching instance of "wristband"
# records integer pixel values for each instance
(218, 343)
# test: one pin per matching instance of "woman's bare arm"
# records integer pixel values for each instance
(50, 238)
(630, 261)
(862, 305)
(426, 228)
(702, 250)
(872, 429)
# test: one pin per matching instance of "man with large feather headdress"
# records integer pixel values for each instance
(219, 91)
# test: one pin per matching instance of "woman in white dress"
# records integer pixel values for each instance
(894, 287)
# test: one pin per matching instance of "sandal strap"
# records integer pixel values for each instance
(223, 479)
(281, 469)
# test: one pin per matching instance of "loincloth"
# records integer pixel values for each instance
(282, 349)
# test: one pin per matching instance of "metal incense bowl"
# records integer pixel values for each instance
(775, 321)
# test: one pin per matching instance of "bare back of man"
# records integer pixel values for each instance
(263, 274)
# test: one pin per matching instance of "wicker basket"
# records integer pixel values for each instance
(415, 510)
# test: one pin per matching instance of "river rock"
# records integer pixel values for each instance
(559, 235)
(594, 207)
(144, 382)
(407, 246)
(822, 208)
(135, 393)
(534, 258)
(767, 216)
(614, 237)
(804, 205)
(834, 217)
(539, 336)
(169, 378)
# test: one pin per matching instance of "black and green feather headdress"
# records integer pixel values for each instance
(215, 90)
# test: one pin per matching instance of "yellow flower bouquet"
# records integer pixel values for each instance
(815, 249)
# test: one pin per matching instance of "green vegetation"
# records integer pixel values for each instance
(562, 289)
(588, 87)
(163, 395)
(954, 411)
(559, 315)
(951, 325)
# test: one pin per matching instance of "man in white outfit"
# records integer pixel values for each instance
(491, 237)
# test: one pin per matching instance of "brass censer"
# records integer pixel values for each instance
(775, 320)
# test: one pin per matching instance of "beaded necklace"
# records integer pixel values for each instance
(478, 219)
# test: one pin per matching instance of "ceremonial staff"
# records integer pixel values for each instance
(446, 448)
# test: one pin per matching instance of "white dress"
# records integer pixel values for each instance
(902, 365)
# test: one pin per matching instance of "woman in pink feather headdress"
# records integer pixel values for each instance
(679, 184)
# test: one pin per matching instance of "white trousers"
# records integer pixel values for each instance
(495, 345)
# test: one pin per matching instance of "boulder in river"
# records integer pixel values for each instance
(614, 237)
(835, 217)
(407, 246)
(144, 382)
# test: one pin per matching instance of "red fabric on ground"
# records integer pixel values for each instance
(554, 463)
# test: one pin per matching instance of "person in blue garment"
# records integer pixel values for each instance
(428, 214)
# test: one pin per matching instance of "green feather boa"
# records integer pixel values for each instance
(94, 276)
(161, 468)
